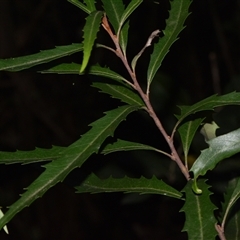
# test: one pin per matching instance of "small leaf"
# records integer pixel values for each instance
(91, 5)
(220, 148)
(80, 5)
(128, 185)
(122, 145)
(209, 104)
(209, 130)
(123, 38)
(199, 213)
(26, 157)
(21, 63)
(174, 25)
(73, 156)
(114, 10)
(90, 33)
(187, 131)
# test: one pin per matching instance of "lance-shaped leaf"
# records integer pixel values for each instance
(123, 38)
(128, 185)
(198, 209)
(21, 63)
(174, 25)
(230, 198)
(121, 92)
(220, 148)
(89, 34)
(36, 155)
(122, 145)
(114, 10)
(73, 68)
(187, 131)
(81, 6)
(209, 104)
(74, 156)
(90, 5)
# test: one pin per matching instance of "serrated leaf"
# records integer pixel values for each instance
(91, 5)
(220, 148)
(74, 156)
(73, 68)
(199, 213)
(89, 34)
(128, 11)
(231, 197)
(32, 156)
(122, 145)
(174, 25)
(21, 63)
(187, 131)
(209, 130)
(120, 92)
(128, 185)
(114, 10)
(80, 5)
(209, 104)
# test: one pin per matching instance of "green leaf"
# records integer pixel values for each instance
(128, 11)
(123, 37)
(128, 185)
(209, 104)
(114, 10)
(220, 148)
(187, 131)
(74, 156)
(209, 130)
(36, 155)
(122, 145)
(174, 25)
(90, 33)
(232, 230)
(233, 194)
(121, 92)
(198, 209)
(91, 5)
(73, 68)
(80, 5)
(21, 63)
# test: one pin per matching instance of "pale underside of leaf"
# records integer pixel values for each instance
(74, 156)
(128, 185)
(45, 56)
(220, 148)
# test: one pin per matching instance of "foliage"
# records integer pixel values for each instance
(113, 19)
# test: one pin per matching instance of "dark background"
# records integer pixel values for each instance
(45, 110)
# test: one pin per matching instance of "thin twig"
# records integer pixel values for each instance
(220, 231)
(174, 155)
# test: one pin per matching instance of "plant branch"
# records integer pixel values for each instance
(174, 155)
(220, 232)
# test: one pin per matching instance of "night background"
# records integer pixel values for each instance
(41, 110)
